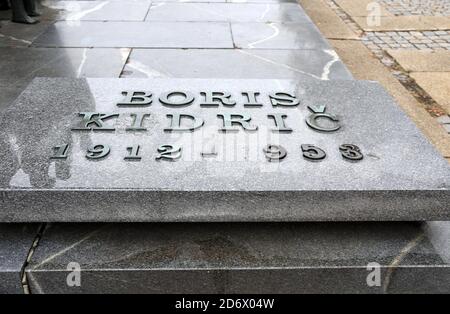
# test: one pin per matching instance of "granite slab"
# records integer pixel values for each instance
(20, 35)
(20, 66)
(9, 93)
(373, 257)
(16, 241)
(231, 12)
(136, 35)
(275, 35)
(124, 10)
(143, 165)
(235, 63)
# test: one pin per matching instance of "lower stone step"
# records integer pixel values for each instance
(16, 241)
(370, 257)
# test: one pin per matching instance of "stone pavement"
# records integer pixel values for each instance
(408, 32)
(203, 39)
(411, 38)
(164, 39)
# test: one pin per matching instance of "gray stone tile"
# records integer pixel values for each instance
(20, 35)
(277, 36)
(15, 242)
(222, 12)
(20, 65)
(137, 34)
(227, 63)
(95, 10)
(239, 183)
(260, 1)
(188, 1)
(223, 1)
(243, 258)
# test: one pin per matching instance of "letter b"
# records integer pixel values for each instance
(135, 98)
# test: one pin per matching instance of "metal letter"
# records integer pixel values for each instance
(138, 122)
(283, 99)
(95, 118)
(175, 124)
(319, 112)
(229, 119)
(278, 118)
(135, 98)
(252, 100)
(214, 99)
(164, 98)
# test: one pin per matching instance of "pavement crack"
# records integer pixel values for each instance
(35, 244)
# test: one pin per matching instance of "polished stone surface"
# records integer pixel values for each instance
(277, 36)
(19, 66)
(15, 242)
(234, 181)
(20, 35)
(50, 62)
(124, 10)
(236, 63)
(243, 258)
(222, 1)
(233, 12)
(137, 34)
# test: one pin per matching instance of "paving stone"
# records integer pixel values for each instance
(331, 25)
(15, 243)
(444, 119)
(59, 62)
(243, 258)
(436, 84)
(417, 7)
(277, 36)
(238, 184)
(226, 63)
(137, 35)
(95, 10)
(20, 35)
(362, 8)
(223, 12)
(405, 23)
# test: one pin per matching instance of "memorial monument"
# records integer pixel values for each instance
(214, 184)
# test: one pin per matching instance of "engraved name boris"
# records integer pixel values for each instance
(229, 122)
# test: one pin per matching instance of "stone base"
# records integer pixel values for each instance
(243, 258)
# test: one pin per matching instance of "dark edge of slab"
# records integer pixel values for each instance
(221, 206)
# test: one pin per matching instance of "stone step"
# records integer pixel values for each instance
(370, 257)
(215, 150)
